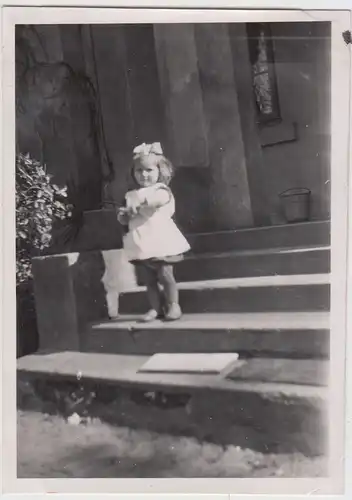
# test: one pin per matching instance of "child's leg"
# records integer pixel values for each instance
(167, 280)
(150, 279)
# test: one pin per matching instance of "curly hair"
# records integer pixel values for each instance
(166, 169)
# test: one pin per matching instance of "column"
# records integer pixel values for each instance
(143, 81)
(109, 53)
(82, 105)
(251, 141)
(229, 192)
(181, 94)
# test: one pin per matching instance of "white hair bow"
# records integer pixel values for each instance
(147, 149)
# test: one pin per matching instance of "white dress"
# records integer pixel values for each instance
(152, 233)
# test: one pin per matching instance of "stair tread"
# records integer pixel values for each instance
(214, 321)
(123, 369)
(272, 228)
(258, 281)
(253, 252)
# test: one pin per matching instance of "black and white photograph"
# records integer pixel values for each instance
(173, 248)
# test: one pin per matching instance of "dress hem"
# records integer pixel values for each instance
(169, 259)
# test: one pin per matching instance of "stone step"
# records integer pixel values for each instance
(100, 231)
(315, 233)
(279, 416)
(289, 335)
(255, 294)
(251, 263)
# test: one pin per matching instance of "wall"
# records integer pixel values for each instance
(199, 106)
(42, 116)
(158, 83)
(192, 122)
(302, 61)
(74, 289)
(55, 120)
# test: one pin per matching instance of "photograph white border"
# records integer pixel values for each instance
(340, 92)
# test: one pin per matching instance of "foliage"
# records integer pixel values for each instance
(39, 202)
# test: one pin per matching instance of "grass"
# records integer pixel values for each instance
(52, 447)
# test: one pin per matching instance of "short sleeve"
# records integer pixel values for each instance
(160, 196)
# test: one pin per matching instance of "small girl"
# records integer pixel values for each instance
(153, 242)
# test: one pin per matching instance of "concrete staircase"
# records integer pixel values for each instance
(262, 293)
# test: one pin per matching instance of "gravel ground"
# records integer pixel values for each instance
(51, 447)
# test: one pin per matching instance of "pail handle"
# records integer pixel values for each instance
(296, 191)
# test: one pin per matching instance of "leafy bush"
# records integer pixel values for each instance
(39, 202)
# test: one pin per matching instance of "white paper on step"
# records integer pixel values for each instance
(191, 363)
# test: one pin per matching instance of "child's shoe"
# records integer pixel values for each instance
(173, 313)
(151, 315)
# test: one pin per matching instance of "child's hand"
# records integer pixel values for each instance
(133, 206)
(123, 216)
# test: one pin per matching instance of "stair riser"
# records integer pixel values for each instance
(290, 235)
(279, 343)
(313, 262)
(298, 298)
(271, 423)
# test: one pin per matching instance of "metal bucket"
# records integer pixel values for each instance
(296, 204)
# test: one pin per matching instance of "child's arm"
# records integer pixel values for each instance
(154, 199)
(157, 198)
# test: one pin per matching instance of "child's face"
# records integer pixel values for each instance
(146, 171)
